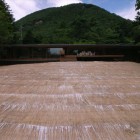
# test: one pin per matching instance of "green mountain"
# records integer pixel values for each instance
(74, 24)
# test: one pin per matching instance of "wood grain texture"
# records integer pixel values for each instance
(70, 101)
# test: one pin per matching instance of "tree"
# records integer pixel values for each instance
(6, 23)
(138, 10)
(136, 29)
(29, 38)
(125, 32)
(80, 28)
(137, 4)
(136, 32)
(81, 31)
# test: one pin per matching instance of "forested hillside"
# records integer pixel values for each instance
(75, 24)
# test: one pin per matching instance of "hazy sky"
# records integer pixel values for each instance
(20, 8)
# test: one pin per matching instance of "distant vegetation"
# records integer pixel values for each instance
(6, 24)
(71, 24)
(76, 24)
(136, 29)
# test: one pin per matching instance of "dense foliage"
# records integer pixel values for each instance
(6, 24)
(76, 24)
(136, 29)
(137, 4)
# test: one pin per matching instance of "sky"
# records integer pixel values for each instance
(21, 8)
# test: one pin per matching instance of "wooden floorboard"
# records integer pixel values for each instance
(70, 101)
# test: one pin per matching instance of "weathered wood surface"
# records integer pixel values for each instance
(70, 101)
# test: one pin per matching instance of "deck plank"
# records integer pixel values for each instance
(70, 101)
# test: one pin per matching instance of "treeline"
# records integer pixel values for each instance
(72, 24)
(6, 24)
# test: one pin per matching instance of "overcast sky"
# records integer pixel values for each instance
(21, 8)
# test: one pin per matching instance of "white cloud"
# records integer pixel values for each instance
(57, 3)
(21, 8)
(65, 2)
(128, 13)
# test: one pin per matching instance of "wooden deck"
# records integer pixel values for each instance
(67, 58)
(101, 58)
(70, 101)
(28, 60)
